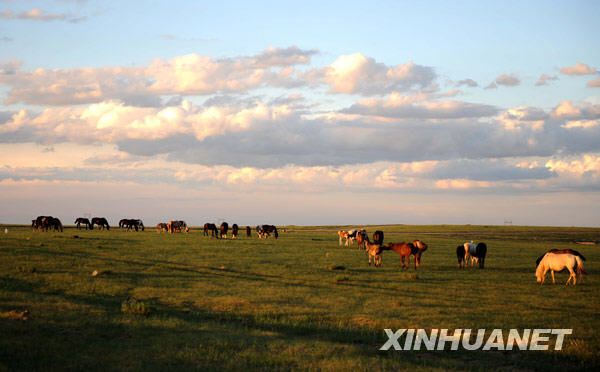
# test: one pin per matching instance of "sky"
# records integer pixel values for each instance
(301, 112)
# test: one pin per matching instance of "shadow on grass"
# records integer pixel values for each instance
(221, 340)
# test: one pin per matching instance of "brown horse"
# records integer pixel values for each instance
(405, 250)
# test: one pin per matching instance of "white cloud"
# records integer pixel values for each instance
(359, 74)
(36, 14)
(578, 69)
(544, 79)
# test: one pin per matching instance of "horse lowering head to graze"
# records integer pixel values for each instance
(130, 224)
(177, 226)
(248, 232)
(558, 262)
(212, 228)
(101, 222)
(234, 231)
(161, 227)
(475, 254)
(55, 223)
(404, 250)
(223, 230)
(41, 223)
(82, 221)
(378, 237)
(264, 231)
(560, 251)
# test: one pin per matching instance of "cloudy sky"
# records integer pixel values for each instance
(308, 112)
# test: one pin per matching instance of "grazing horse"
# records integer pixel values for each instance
(212, 228)
(421, 248)
(405, 250)
(234, 231)
(45, 223)
(374, 251)
(161, 227)
(248, 232)
(558, 262)
(132, 224)
(473, 253)
(560, 251)
(264, 231)
(378, 237)
(82, 221)
(177, 226)
(101, 222)
(223, 230)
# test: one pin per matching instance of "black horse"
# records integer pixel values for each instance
(378, 237)
(129, 224)
(264, 231)
(45, 223)
(101, 222)
(234, 231)
(212, 228)
(248, 232)
(82, 221)
(223, 230)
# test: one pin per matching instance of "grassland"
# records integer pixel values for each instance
(301, 302)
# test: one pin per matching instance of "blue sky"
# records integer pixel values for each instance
(168, 86)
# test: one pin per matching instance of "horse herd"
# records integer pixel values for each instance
(469, 253)
(263, 231)
(48, 223)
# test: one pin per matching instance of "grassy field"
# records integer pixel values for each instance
(301, 302)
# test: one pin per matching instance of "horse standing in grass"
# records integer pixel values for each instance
(82, 221)
(378, 237)
(374, 252)
(248, 232)
(558, 262)
(421, 248)
(101, 222)
(234, 231)
(473, 253)
(223, 229)
(361, 237)
(405, 250)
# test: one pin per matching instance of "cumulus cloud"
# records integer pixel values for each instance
(36, 14)
(467, 82)
(190, 74)
(359, 74)
(578, 69)
(263, 135)
(507, 80)
(399, 106)
(544, 79)
(594, 83)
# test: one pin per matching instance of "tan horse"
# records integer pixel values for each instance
(558, 262)
(374, 251)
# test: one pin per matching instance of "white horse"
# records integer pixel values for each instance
(558, 262)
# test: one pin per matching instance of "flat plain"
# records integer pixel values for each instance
(185, 301)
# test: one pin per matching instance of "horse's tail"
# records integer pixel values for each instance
(580, 269)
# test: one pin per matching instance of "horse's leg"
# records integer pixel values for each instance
(552, 273)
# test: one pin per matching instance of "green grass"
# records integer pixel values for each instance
(185, 301)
